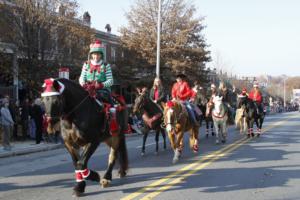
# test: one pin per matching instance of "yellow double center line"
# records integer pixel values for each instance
(181, 174)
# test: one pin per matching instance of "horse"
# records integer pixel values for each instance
(240, 120)
(201, 103)
(176, 119)
(219, 114)
(252, 115)
(152, 117)
(84, 124)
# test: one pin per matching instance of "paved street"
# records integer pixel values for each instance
(260, 168)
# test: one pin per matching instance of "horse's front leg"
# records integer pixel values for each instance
(216, 125)
(179, 146)
(113, 143)
(156, 140)
(145, 132)
(163, 133)
(82, 172)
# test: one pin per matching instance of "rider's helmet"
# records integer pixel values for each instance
(244, 91)
(255, 85)
(181, 76)
(97, 46)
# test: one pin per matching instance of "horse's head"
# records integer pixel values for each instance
(171, 109)
(140, 100)
(218, 104)
(53, 102)
(241, 101)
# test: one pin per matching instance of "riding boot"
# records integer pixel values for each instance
(114, 126)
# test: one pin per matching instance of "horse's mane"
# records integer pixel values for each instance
(74, 86)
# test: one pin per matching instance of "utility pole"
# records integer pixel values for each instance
(158, 40)
(284, 94)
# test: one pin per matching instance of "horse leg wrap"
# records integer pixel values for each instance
(78, 176)
(93, 176)
(195, 146)
(89, 175)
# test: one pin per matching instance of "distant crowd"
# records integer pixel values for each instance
(23, 121)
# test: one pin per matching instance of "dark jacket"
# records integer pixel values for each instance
(161, 95)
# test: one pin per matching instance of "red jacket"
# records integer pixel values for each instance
(255, 96)
(181, 91)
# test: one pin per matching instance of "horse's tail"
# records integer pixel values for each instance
(122, 150)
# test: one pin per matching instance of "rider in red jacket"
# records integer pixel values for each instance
(256, 96)
(182, 91)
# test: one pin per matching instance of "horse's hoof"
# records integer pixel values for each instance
(78, 190)
(248, 135)
(206, 135)
(122, 174)
(156, 153)
(223, 141)
(213, 134)
(175, 160)
(143, 153)
(77, 194)
(252, 134)
(105, 183)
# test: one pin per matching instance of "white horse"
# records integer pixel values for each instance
(220, 118)
(240, 119)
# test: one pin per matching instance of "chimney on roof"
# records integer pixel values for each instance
(87, 18)
(108, 28)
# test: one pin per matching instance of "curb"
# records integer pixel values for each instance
(47, 147)
(30, 150)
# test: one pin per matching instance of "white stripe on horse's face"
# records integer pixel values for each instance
(217, 104)
(169, 115)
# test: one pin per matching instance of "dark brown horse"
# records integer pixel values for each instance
(84, 124)
(152, 117)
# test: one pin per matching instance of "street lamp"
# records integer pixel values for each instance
(158, 39)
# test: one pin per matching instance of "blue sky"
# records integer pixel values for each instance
(251, 37)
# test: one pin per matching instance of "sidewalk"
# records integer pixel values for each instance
(29, 146)
(26, 147)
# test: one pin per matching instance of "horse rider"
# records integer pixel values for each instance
(157, 93)
(256, 96)
(181, 91)
(227, 100)
(96, 77)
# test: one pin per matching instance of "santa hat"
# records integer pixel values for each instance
(97, 46)
(213, 86)
(52, 87)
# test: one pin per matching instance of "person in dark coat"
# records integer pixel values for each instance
(24, 114)
(37, 115)
(157, 94)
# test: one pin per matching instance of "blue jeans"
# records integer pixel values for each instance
(191, 111)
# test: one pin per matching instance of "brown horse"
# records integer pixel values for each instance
(177, 122)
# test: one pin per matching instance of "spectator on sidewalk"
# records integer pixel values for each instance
(24, 114)
(13, 109)
(37, 115)
(7, 124)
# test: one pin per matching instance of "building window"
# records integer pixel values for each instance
(105, 55)
(113, 54)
